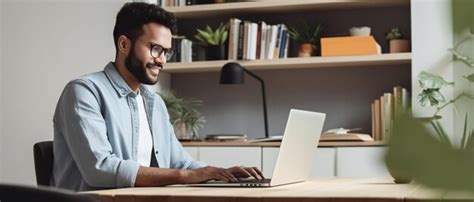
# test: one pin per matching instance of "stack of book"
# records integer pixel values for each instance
(254, 41)
(226, 138)
(386, 109)
(183, 49)
(332, 137)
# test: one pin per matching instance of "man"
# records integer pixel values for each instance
(110, 131)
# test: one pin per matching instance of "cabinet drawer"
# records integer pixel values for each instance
(361, 162)
(323, 165)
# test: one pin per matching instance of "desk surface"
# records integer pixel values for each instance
(333, 189)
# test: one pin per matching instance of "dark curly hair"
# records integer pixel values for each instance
(132, 16)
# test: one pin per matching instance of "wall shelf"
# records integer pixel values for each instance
(293, 63)
(207, 10)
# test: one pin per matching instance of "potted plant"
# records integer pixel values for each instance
(400, 163)
(214, 41)
(307, 36)
(398, 41)
(184, 116)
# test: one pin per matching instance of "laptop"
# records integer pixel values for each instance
(300, 139)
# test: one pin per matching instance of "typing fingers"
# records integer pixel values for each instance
(254, 172)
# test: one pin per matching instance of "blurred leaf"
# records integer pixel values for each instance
(414, 152)
(464, 133)
(470, 142)
(433, 96)
(470, 78)
(465, 59)
(431, 81)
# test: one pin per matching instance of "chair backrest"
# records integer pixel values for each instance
(10, 192)
(44, 158)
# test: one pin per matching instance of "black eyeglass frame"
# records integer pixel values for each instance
(169, 52)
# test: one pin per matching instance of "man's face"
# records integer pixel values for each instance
(139, 61)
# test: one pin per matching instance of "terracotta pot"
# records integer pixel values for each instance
(399, 45)
(306, 50)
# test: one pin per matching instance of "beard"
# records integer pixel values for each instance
(139, 69)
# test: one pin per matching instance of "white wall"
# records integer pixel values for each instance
(432, 36)
(1, 95)
(45, 44)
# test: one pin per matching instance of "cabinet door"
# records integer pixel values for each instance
(193, 152)
(323, 164)
(361, 162)
(231, 156)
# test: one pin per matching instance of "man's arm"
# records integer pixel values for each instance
(150, 176)
(85, 133)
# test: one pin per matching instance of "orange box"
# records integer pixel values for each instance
(350, 45)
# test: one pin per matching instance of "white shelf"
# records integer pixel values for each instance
(294, 63)
(207, 10)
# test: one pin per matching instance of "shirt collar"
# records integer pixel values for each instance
(116, 80)
(120, 85)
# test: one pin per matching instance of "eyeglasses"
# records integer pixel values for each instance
(156, 50)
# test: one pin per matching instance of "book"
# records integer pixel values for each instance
(377, 120)
(328, 137)
(226, 137)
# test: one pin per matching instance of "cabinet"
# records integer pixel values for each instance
(360, 162)
(345, 160)
(231, 156)
(323, 166)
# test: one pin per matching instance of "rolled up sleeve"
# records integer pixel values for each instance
(86, 137)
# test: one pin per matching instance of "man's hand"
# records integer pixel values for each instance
(215, 173)
(244, 172)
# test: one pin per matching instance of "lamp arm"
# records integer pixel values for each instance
(264, 99)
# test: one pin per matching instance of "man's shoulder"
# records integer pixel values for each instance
(91, 79)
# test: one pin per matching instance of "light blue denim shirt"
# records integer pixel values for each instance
(96, 133)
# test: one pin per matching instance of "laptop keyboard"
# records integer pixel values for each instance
(254, 181)
(242, 181)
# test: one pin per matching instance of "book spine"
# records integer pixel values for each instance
(377, 120)
(276, 52)
(240, 50)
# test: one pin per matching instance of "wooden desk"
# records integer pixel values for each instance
(334, 189)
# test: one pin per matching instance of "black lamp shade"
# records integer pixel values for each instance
(232, 73)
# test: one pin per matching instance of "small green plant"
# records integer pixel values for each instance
(183, 114)
(305, 32)
(395, 33)
(209, 37)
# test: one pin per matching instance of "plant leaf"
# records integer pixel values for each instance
(433, 96)
(470, 78)
(464, 134)
(208, 29)
(204, 34)
(224, 37)
(440, 132)
(428, 80)
(464, 58)
(470, 142)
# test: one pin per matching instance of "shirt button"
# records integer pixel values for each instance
(156, 152)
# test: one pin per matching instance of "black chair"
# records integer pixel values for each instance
(44, 158)
(24, 193)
